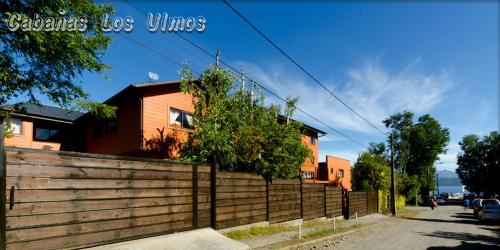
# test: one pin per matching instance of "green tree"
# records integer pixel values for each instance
(479, 163)
(416, 149)
(371, 171)
(379, 149)
(47, 63)
(235, 129)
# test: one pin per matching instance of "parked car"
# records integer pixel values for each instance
(489, 212)
(483, 202)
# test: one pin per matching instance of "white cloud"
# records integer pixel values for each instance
(370, 89)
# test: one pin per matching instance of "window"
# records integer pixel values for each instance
(15, 125)
(307, 175)
(312, 139)
(47, 134)
(341, 173)
(111, 126)
(181, 118)
(331, 170)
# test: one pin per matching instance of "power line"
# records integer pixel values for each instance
(270, 91)
(300, 67)
(242, 74)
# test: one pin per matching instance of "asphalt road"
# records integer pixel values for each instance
(446, 227)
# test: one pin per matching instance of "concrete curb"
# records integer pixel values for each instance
(333, 236)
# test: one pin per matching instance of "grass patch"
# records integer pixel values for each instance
(407, 213)
(316, 223)
(258, 231)
(327, 231)
(310, 236)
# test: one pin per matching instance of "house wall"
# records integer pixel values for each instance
(25, 139)
(126, 139)
(157, 102)
(333, 165)
(311, 163)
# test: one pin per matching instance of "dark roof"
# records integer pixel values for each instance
(135, 86)
(43, 111)
(152, 84)
(305, 126)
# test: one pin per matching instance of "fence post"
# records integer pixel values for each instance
(3, 199)
(213, 195)
(367, 203)
(326, 214)
(346, 203)
(267, 200)
(195, 196)
(301, 200)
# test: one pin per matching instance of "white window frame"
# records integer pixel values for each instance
(340, 173)
(182, 114)
(12, 124)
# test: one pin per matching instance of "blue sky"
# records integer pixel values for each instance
(439, 58)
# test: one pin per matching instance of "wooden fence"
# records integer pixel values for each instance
(333, 201)
(63, 200)
(241, 199)
(362, 203)
(313, 201)
(55, 200)
(284, 200)
(372, 202)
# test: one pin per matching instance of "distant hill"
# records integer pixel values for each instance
(448, 178)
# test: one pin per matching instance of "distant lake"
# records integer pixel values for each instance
(450, 189)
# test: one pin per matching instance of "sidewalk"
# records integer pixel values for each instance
(273, 240)
(205, 238)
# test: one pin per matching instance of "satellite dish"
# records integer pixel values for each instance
(152, 76)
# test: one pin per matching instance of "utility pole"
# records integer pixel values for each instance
(393, 185)
(217, 55)
(437, 183)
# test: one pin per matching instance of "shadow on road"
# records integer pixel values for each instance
(466, 238)
(463, 221)
(466, 246)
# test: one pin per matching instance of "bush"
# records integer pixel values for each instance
(400, 202)
(384, 201)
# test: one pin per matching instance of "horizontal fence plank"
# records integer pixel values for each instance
(61, 160)
(66, 195)
(242, 221)
(40, 208)
(74, 172)
(48, 183)
(91, 239)
(240, 201)
(242, 214)
(240, 182)
(287, 217)
(75, 229)
(294, 182)
(238, 195)
(238, 175)
(88, 216)
(229, 189)
(240, 208)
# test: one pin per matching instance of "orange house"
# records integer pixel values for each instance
(145, 108)
(336, 170)
(41, 127)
